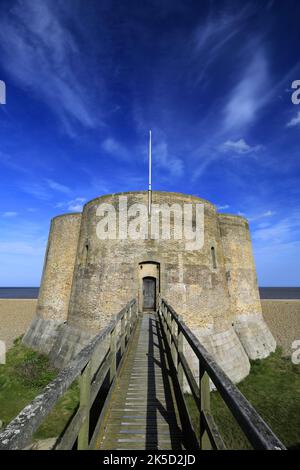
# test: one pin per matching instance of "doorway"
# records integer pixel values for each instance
(149, 286)
(149, 293)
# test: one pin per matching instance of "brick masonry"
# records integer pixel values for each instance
(86, 281)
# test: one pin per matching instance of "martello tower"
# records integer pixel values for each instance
(87, 280)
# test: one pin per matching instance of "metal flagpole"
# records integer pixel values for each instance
(150, 174)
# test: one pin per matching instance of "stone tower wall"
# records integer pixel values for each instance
(88, 280)
(54, 295)
(107, 276)
(106, 272)
(243, 288)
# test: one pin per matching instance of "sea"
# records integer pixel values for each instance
(19, 292)
(279, 292)
(265, 292)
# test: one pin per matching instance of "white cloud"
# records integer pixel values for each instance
(240, 147)
(9, 214)
(249, 95)
(75, 205)
(45, 189)
(295, 121)
(214, 33)
(263, 215)
(223, 208)
(55, 186)
(281, 231)
(40, 53)
(115, 148)
(163, 160)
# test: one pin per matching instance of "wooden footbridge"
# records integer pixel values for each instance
(132, 379)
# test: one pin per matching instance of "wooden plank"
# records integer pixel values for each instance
(213, 432)
(143, 392)
(68, 439)
(32, 416)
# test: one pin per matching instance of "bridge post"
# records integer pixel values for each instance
(123, 333)
(169, 322)
(180, 352)
(173, 344)
(127, 326)
(113, 365)
(204, 397)
(85, 395)
(130, 320)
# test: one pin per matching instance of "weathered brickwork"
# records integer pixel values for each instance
(247, 318)
(86, 281)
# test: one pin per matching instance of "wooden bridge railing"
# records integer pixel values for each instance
(93, 370)
(250, 422)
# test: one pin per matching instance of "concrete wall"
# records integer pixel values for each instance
(107, 276)
(247, 319)
(54, 295)
(88, 280)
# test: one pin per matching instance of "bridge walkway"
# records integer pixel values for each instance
(133, 397)
(143, 411)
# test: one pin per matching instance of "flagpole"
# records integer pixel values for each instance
(150, 174)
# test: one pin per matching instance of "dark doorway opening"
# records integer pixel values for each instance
(149, 293)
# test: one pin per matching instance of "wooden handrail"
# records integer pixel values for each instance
(250, 422)
(92, 371)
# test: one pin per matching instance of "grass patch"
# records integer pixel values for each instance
(24, 376)
(273, 388)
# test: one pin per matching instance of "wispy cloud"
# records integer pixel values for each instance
(163, 160)
(295, 121)
(223, 208)
(114, 148)
(215, 33)
(45, 189)
(281, 231)
(249, 94)
(57, 186)
(240, 147)
(263, 215)
(9, 214)
(75, 205)
(41, 54)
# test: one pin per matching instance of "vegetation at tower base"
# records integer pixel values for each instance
(24, 376)
(273, 388)
(86, 281)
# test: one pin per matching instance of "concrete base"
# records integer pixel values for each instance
(59, 341)
(41, 334)
(254, 335)
(226, 349)
(68, 343)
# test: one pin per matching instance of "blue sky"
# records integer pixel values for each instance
(86, 80)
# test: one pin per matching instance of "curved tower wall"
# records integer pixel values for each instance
(87, 280)
(246, 310)
(54, 294)
(106, 277)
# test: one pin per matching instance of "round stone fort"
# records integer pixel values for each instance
(178, 248)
